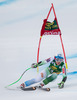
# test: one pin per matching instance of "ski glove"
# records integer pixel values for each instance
(34, 65)
(61, 85)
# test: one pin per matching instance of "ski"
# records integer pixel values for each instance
(34, 88)
(28, 89)
(45, 89)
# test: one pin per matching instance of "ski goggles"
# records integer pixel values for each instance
(59, 60)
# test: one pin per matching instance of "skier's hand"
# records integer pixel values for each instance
(34, 65)
(61, 85)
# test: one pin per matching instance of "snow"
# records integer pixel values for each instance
(20, 25)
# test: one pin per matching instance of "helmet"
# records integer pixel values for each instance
(59, 58)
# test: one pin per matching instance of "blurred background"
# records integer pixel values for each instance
(20, 25)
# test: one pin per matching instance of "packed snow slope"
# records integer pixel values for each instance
(20, 25)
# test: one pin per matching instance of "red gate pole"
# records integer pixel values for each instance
(63, 52)
(38, 52)
(42, 30)
(61, 40)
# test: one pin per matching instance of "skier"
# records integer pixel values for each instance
(50, 73)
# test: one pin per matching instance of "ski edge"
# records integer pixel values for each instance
(28, 89)
(34, 88)
(45, 89)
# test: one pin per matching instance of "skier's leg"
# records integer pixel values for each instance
(40, 76)
(37, 79)
(50, 78)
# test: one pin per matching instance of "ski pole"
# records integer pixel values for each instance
(18, 79)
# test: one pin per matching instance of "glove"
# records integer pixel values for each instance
(61, 85)
(34, 65)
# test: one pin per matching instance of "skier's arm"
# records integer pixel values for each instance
(64, 74)
(34, 65)
(61, 84)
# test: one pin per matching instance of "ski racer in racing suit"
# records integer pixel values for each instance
(50, 73)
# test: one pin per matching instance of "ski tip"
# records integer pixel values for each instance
(48, 89)
(34, 88)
